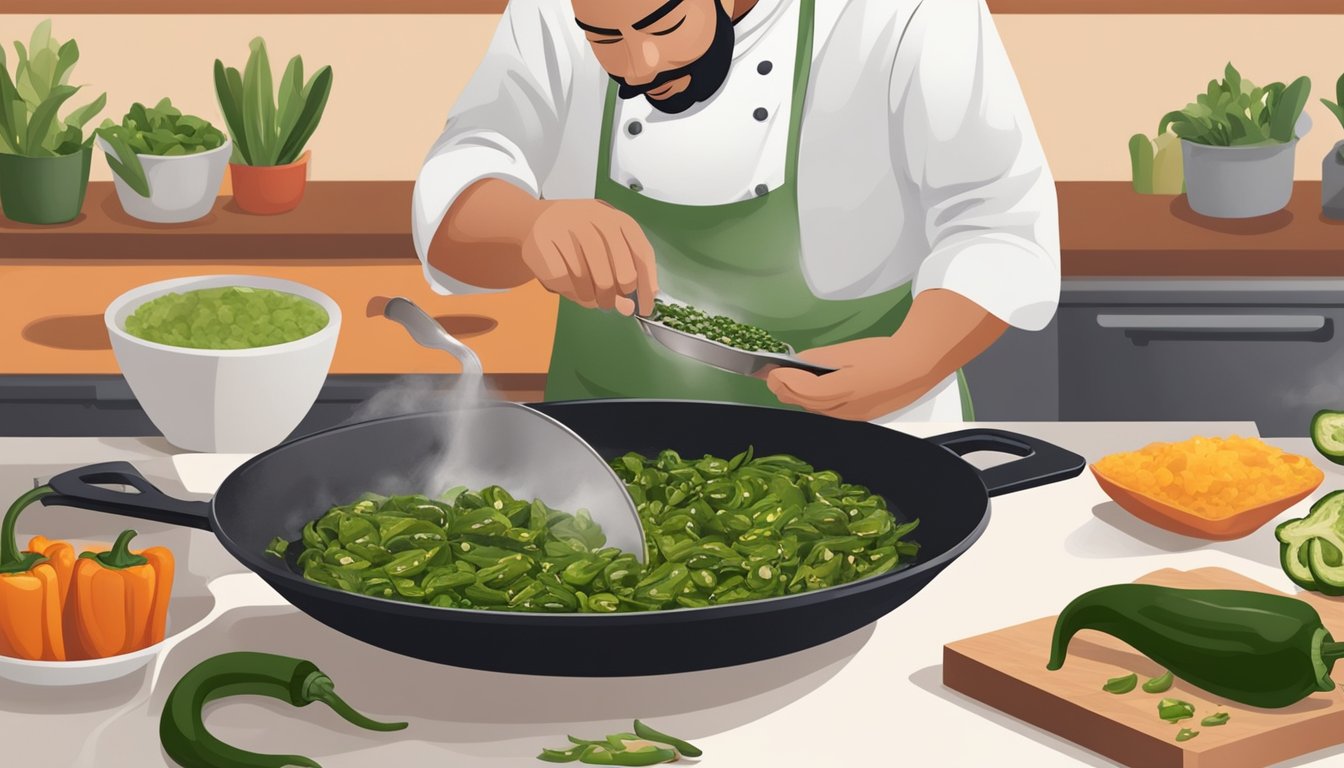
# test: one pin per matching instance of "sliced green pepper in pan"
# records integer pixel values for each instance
(718, 530)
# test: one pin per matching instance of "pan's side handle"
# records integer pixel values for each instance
(1042, 463)
(79, 488)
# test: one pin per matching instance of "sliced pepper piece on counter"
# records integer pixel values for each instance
(1327, 434)
(30, 594)
(1255, 648)
(1311, 549)
(119, 601)
(245, 673)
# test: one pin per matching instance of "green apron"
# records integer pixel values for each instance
(741, 259)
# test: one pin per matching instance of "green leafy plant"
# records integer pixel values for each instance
(1237, 113)
(1337, 106)
(262, 133)
(31, 99)
(159, 130)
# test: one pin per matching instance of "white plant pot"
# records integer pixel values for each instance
(223, 400)
(182, 188)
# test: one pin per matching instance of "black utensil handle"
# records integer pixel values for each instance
(1042, 463)
(79, 488)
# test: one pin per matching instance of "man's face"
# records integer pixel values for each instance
(675, 53)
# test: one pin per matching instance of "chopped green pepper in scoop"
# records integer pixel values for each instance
(1256, 648)
(1311, 548)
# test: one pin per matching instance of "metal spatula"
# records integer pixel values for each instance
(525, 451)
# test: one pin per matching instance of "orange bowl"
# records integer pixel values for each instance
(1186, 523)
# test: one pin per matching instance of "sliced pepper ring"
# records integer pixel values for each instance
(1312, 548)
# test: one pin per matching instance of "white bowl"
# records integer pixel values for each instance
(182, 188)
(223, 400)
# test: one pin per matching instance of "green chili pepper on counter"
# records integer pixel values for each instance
(1255, 648)
(182, 730)
(1121, 684)
(1158, 684)
(685, 748)
(643, 747)
(1186, 734)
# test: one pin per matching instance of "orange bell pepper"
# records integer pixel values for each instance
(119, 599)
(30, 594)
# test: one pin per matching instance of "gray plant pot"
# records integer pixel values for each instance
(1238, 182)
(1332, 183)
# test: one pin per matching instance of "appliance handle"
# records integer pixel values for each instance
(1214, 323)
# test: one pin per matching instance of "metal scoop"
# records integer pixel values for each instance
(525, 451)
(721, 355)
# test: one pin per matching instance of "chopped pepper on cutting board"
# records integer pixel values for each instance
(30, 594)
(1255, 648)
(119, 601)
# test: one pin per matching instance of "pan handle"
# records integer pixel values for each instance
(1042, 463)
(79, 488)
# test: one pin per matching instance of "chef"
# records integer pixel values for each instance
(860, 178)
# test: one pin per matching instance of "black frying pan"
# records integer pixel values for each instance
(277, 492)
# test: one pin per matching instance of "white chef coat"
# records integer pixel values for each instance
(918, 159)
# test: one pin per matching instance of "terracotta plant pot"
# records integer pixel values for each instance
(269, 189)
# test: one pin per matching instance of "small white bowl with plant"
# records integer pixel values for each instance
(167, 167)
(224, 363)
(1237, 145)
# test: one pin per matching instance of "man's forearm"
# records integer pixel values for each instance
(944, 331)
(479, 241)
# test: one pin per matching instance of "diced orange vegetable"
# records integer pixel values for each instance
(1212, 477)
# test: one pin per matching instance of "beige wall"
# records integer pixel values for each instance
(1091, 81)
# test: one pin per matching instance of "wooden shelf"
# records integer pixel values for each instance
(176, 7)
(336, 220)
(1105, 229)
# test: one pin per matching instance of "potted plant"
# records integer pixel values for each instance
(267, 171)
(167, 166)
(1237, 145)
(1332, 168)
(44, 159)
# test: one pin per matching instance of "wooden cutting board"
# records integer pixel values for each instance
(1006, 670)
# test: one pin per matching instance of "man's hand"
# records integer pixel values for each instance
(497, 235)
(591, 253)
(874, 378)
(879, 375)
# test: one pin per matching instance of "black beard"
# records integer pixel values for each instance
(707, 73)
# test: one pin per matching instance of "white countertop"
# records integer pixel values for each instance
(874, 697)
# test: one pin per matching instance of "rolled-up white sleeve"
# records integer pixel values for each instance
(961, 131)
(505, 125)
